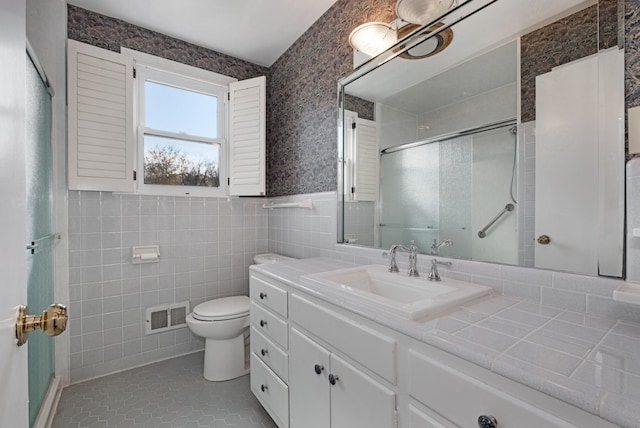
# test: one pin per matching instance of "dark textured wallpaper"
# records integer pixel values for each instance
(560, 42)
(110, 33)
(632, 53)
(302, 84)
(303, 99)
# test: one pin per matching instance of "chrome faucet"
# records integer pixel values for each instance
(433, 274)
(393, 266)
(413, 258)
(435, 247)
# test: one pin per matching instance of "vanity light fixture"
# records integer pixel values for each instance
(422, 12)
(429, 46)
(373, 38)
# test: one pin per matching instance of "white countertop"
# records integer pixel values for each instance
(592, 363)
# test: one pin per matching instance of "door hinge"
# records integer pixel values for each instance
(134, 73)
(228, 96)
(353, 190)
(353, 125)
(228, 181)
(135, 175)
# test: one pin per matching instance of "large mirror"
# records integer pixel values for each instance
(493, 133)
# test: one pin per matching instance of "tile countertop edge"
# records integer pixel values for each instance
(628, 293)
(609, 406)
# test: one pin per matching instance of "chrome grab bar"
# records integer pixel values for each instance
(37, 245)
(507, 208)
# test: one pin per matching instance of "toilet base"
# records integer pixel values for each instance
(224, 359)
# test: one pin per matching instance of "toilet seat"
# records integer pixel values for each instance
(224, 308)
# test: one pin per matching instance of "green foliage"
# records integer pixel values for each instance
(168, 165)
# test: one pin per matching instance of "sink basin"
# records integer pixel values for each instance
(396, 293)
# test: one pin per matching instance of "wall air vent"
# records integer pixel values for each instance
(167, 317)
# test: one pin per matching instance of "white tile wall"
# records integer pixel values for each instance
(633, 220)
(527, 193)
(592, 295)
(206, 247)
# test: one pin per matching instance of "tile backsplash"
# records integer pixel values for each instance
(206, 247)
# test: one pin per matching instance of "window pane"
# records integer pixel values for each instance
(181, 111)
(180, 163)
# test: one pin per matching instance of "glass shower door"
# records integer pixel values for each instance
(39, 229)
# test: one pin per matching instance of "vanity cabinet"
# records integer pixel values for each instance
(326, 391)
(319, 365)
(445, 391)
(269, 346)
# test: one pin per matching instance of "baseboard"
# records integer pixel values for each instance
(49, 404)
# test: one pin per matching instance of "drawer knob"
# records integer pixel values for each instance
(333, 379)
(318, 369)
(263, 323)
(485, 421)
(264, 352)
(263, 387)
(263, 296)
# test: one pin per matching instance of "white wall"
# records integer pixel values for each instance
(488, 107)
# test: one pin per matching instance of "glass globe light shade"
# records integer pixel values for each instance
(373, 38)
(422, 12)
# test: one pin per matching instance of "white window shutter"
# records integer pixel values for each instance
(247, 137)
(366, 160)
(100, 115)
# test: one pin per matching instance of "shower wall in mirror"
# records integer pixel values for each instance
(508, 146)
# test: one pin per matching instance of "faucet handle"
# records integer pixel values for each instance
(393, 266)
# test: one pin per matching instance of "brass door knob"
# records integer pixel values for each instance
(544, 239)
(52, 322)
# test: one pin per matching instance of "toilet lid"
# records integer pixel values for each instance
(223, 308)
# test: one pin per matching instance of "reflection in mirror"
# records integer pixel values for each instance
(506, 145)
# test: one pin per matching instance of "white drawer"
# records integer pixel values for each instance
(419, 419)
(269, 324)
(270, 354)
(269, 295)
(272, 393)
(462, 399)
(367, 346)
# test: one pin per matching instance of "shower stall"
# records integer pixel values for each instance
(457, 187)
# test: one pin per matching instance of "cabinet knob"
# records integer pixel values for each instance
(333, 379)
(544, 239)
(263, 387)
(318, 369)
(264, 352)
(263, 323)
(263, 296)
(487, 421)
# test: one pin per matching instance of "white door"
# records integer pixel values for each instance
(357, 400)
(308, 384)
(13, 289)
(567, 162)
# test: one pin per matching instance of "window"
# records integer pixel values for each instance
(181, 133)
(142, 124)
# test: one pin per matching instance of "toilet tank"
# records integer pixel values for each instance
(270, 258)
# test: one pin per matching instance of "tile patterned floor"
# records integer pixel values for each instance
(167, 394)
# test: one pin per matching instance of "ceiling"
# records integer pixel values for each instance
(259, 31)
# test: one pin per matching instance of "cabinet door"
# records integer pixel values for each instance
(358, 401)
(308, 390)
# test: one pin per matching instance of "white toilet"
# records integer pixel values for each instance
(270, 258)
(224, 324)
